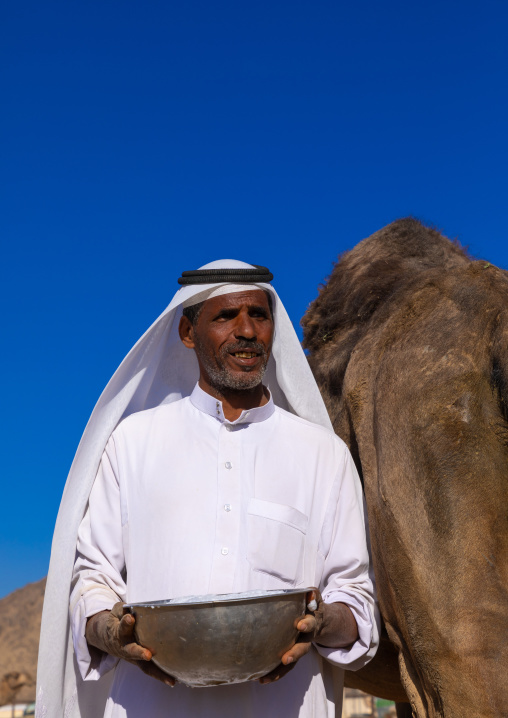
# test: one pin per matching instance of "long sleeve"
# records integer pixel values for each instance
(99, 571)
(345, 573)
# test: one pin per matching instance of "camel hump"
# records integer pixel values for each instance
(369, 275)
(411, 244)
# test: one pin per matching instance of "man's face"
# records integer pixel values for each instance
(232, 337)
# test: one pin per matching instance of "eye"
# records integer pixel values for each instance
(259, 313)
(225, 315)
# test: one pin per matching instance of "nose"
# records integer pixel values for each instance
(245, 327)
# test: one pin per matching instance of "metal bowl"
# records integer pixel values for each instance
(217, 639)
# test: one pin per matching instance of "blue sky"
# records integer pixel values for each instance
(141, 139)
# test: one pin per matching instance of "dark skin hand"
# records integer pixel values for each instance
(113, 632)
(331, 624)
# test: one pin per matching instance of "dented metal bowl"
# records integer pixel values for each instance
(219, 639)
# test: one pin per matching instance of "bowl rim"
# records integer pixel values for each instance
(216, 598)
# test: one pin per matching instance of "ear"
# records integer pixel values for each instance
(186, 332)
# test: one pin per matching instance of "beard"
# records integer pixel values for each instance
(221, 376)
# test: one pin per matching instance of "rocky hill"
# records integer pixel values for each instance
(20, 625)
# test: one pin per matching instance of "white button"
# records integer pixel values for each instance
(224, 551)
(229, 427)
(227, 507)
(228, 465)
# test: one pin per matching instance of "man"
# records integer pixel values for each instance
(222, 490)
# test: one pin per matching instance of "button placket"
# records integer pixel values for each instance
(227, 531)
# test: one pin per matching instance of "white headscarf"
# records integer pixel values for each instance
(157, 370)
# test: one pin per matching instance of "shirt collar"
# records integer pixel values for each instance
(212, 406)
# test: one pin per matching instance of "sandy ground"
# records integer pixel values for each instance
(20, 625)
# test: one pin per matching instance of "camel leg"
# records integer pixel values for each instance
(404, 710)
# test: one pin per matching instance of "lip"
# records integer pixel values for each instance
(244, 361)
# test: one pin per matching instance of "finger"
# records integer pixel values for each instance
(294, 654)
(314, 594)
(311, 601)
(118, 610)
(314, 599)
(135, 652)
(126, 627)
(277, 673)
(155, 672)
(307, 624)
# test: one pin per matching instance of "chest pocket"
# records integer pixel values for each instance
(276, 540)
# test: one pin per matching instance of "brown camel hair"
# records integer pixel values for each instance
(408, 341)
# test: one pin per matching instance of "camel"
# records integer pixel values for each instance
(10, 684)
(408, 341)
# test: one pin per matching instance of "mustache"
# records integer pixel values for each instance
(244, 346)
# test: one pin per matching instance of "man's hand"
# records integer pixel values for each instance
(113, 632)
(331, 624)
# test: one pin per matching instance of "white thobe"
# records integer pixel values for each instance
(188, 503)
